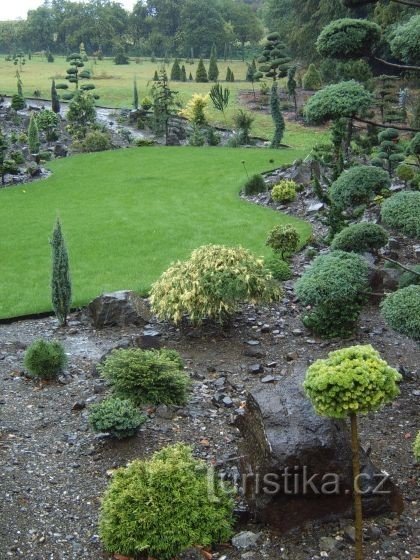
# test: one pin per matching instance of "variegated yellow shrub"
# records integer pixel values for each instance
(211, 284)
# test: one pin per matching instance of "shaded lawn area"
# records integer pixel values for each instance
(126, 215)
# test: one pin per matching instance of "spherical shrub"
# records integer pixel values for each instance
(284, 191)
(45, 359)
(146, 376)
(401, 310)
(409, 278)
(405, 172)
(283, 240)
(358, 185)
(255, 185)
(279, 269)
(334, 287)
(359, 238)
(96, 141)
(416, 447)
(402, 212)
(211, 284)
(351, 380)
(117, 416)
(162, 506)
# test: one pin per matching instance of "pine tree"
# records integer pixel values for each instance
(60, 279)
(33, 135)
(213, 69)
(3, 150)
(176, 74)
(251, 71)
(190, 77)
(155, 77)
(135, 95)
(228, 71)
(55, 100)
(183, 74)
(201, 75)
(277, 117)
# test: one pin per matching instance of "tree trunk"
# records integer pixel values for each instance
(357, 497)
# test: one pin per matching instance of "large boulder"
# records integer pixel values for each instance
(118, 308)
(307, 456)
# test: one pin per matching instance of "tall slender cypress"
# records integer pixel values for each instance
(60, 279)
(55, 100)
(135, 95)
(33, 135)
(277, 117)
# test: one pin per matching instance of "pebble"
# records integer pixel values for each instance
(245, 539)
(255, 368)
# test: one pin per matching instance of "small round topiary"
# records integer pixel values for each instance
(416, 447)
(401, 310)
(351, 380)
(402, 212)
(45, 359)
(283, 240)
(405, 172)
(255, 185)
(162, 506)
(117, 416)
(284, 191)
(359, 238)
(279, 269)
(146, 376)
(211, 284)
(410, 278)
(358, 185)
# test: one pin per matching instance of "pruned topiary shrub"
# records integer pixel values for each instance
(255, 185)
(334, 286)
(117, 416)
(279, 269)
(284, 191)
(146, 376)
(358, 185)
(162, 506)
(410, 278)
(284, 240)
(211, 284)
(401, 310)
(95, 141)
(402, 212)
(359, 238)
(44, 359)
(351, 381)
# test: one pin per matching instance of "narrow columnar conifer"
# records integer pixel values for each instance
(33, 135)
(135, 96)
(55, 100)
(60, 280)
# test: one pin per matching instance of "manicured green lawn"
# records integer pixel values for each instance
(126, 216)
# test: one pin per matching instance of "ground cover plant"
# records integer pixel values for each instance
(126, 221)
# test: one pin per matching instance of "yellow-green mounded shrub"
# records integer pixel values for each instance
(416, 447)
(284, 191)
(211, 284)
(146, 376)
(162, 506)
(351, 380)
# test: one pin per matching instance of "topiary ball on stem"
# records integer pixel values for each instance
(162, 506)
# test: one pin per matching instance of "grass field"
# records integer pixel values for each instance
(114, 84)
(126, 215)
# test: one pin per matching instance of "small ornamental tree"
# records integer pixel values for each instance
(195, 110)
(75, 74)
(201, 74)
(220, 98)
(284, 240)
(213, 68)
(135, 95)
(60, 278)
(176, 71)
(312, 79)
(81, 114)
(163, 103)
(33, 135)
(183, 74)
(348, 38)
(48, 122)
(55, 100)
(292, 85)
(405, 44)
(352, 381)
(390, 150)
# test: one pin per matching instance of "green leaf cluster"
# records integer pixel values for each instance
(146, 376)
(359, 238)
(401, 310)
(351, 381)
(44, 359)
(402, 212)
(162, 506)
(117, 416)
(211, 284)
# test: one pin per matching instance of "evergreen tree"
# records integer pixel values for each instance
(183, 74)
(291, 85)
(33, 135)
(135, 95)
(312, 79)
(3, 150)
(190, 77)
(213, 69)
(251, 71)
(19, 84)
(55, 100)
(155, 77)
(163, 103)
(228, 72)
(60, 279)
(277, 117)
(176, 73)
(201, 74)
